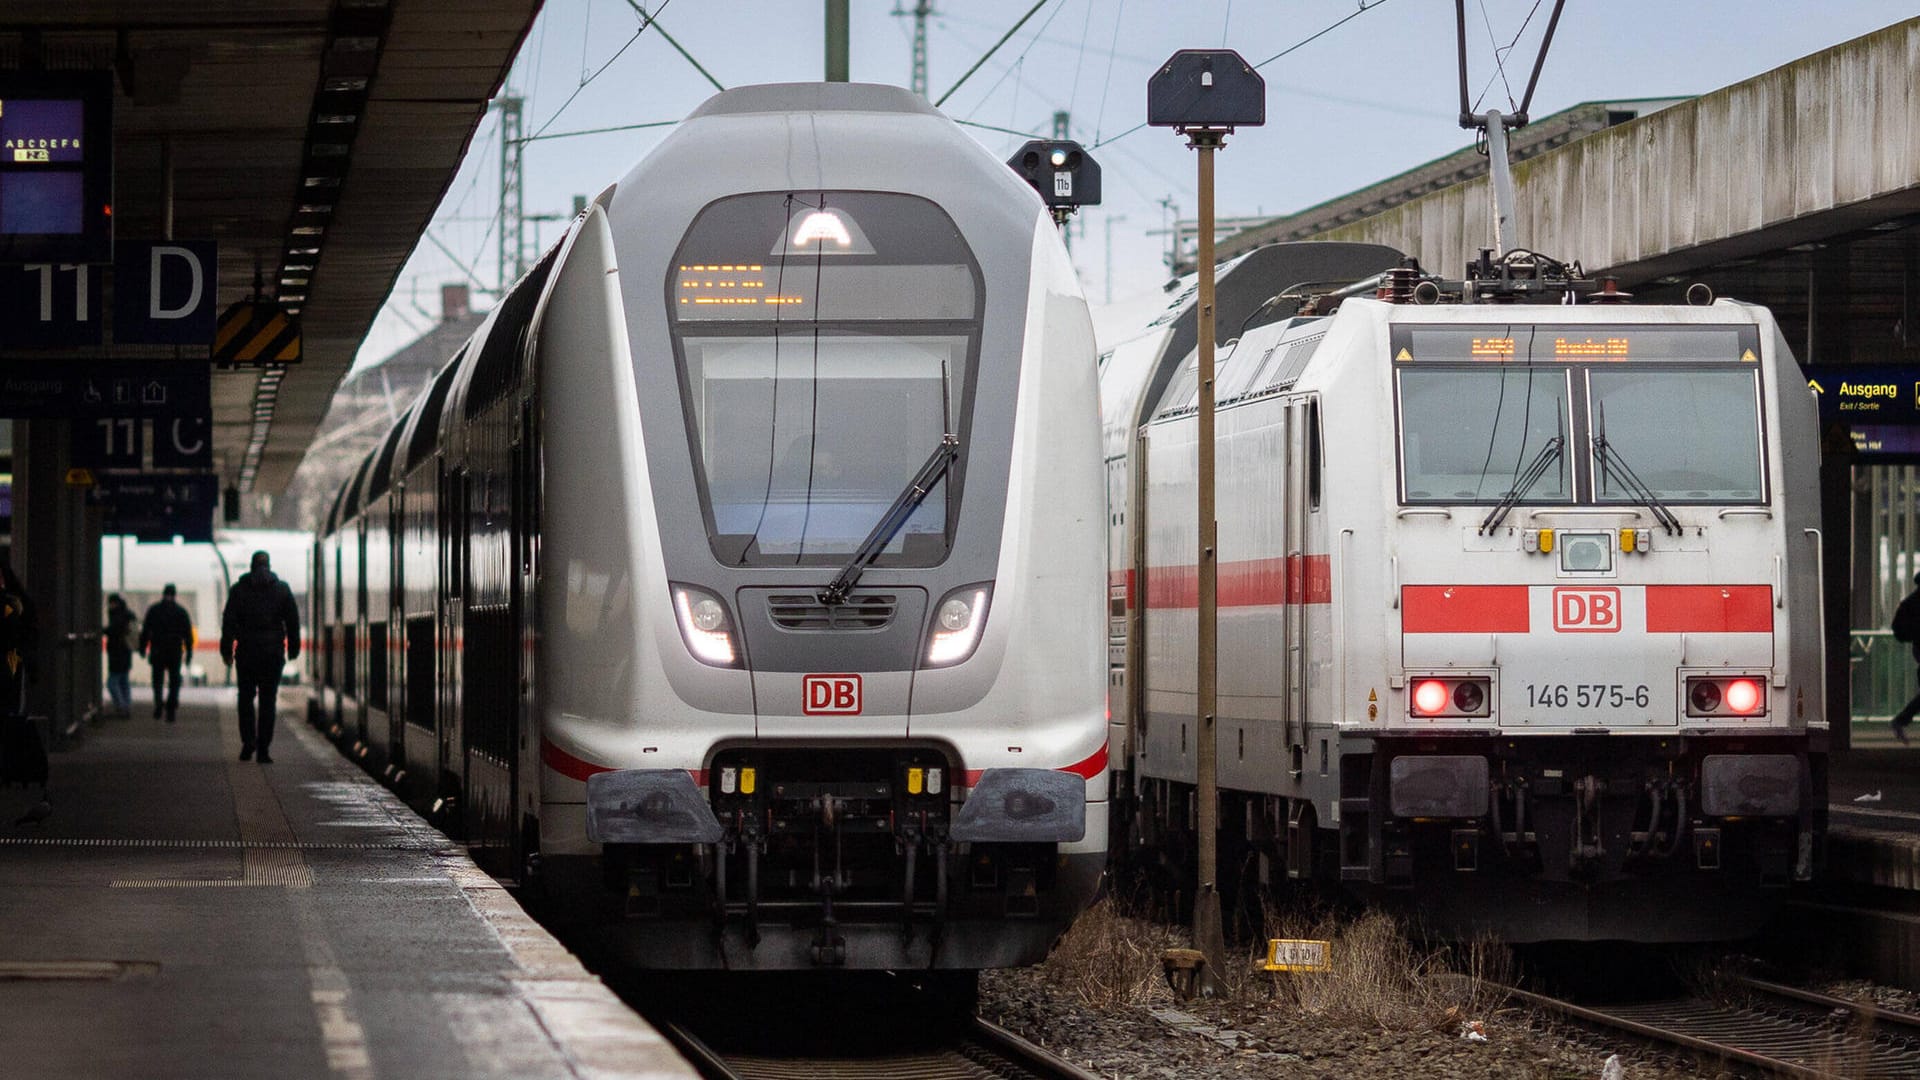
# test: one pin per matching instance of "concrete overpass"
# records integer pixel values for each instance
(1802, 177)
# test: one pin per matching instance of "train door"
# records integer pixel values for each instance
(525, 752)
(453, 577)
(1295, 514)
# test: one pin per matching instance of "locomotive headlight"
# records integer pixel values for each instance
(956, 625)
(1704, 695)
(704, 626)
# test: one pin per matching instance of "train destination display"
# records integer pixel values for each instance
(56, 168)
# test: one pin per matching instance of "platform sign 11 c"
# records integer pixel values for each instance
(1289, 954)
(108, 442)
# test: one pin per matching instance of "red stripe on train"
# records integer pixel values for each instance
(1464, 609)
(1086, 768)
(1295, 579)
(1709, 609)
(567, 765)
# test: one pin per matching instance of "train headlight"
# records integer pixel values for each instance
(1743, 696)
(1430, 697)
(1467, 696)
(957, 623)
(1704, 696)
(1729, 696)
(704, 626)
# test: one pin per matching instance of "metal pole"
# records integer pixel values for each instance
(837, 47)
(1500, 185)
(166, 187)
(1111, 218)
(1207, 933)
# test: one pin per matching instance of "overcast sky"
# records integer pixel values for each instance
(1368, 99)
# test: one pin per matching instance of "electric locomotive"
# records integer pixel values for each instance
(1519, 608)
(734, 584)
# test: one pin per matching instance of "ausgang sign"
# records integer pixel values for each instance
(1877, 394)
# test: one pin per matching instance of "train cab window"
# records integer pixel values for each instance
(1688, 435)
(1472, 435)
(799, 319)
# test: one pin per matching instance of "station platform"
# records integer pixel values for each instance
(181, 913)
(1874, 810)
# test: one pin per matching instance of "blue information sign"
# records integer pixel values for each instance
(1875, 394)
(164, 292)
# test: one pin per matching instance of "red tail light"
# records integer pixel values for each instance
(1430, 697)
(1743, 696)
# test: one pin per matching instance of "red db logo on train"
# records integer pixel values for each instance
(830, 695)
(1587, 611)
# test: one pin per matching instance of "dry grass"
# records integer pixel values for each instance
(1110, 958)
(1381, 978)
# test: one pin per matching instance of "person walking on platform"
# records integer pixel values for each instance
(165, 639)
(121, 641)
(259, 633)
(1906, 628)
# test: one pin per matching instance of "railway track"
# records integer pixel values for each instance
(1766, 1027)
(971, 1049)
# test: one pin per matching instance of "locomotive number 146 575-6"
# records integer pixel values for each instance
(1587, 696)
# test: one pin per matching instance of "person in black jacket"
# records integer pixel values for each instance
(1906, 629)
(259, 633)
(119, 636)
(165, 638)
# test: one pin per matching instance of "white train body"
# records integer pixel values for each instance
(1584, 715)
(725, 374)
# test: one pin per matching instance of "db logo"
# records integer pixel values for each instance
(1587, 611)
(830, 695)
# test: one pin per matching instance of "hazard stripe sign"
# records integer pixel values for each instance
(256, 332)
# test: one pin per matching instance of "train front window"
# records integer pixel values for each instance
(1688, 435)
(826, 342)
(1472, 435)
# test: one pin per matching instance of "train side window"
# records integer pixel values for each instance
(1313, 454)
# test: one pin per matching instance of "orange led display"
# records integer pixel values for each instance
(1496, 348)
(1613, 348)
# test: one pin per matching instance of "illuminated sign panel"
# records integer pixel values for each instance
(1542, 343)
(56, 168)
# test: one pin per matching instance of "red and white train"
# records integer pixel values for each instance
(1519, 602)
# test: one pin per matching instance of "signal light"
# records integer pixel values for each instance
(1430, 697)
(1743, 696)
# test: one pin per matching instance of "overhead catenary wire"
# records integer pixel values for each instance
(588, 81)
(996, 48)
(649, 20)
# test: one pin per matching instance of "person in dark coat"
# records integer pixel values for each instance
(165, 639)
(259, 633)
(120, 642)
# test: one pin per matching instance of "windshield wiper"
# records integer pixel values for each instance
(1535, 470)
(1611, 463)
(894, 519)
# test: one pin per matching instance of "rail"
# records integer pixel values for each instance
(974, 1049)
(1779, 1030)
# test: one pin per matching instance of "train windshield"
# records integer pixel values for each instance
(1690, 436)
(1470, 436)
(826, 343)
(1491, 408)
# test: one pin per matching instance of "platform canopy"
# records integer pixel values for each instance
(312, 139)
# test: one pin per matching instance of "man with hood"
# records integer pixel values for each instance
(259, 633)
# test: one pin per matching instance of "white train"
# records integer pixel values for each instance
(738, 582)
(1519, 602)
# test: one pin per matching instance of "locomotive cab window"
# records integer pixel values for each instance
(1471, 436)
(826, 343)
(1589, 414)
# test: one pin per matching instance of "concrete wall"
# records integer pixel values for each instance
(1751, 162)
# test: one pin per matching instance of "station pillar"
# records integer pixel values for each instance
(56, 553)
